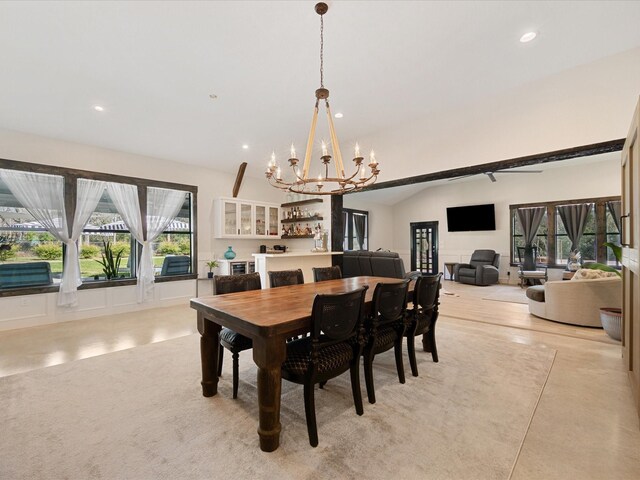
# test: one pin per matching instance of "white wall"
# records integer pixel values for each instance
(380, 221)
(584, 105)
(599, 179)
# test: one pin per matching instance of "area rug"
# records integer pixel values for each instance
(511, 294)
(140, 414)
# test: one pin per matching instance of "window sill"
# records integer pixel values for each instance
(89, 285)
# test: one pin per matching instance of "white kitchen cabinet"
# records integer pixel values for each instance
(235, 218)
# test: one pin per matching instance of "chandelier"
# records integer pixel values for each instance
(341, 183)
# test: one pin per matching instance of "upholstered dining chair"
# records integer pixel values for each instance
(334, 346)
(321, 274)
(230, 339)
(385, 329)
(283, 278)
(423, 318)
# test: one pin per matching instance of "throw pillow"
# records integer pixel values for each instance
(589, 274)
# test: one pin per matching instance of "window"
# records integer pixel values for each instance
(356, 229)
(517, 239)
(106, 225)
(553, 241)
(24, 240)
(587, 244)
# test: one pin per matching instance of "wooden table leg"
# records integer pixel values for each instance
(268, 354)
(209, 345)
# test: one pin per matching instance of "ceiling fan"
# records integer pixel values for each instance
(491, 174)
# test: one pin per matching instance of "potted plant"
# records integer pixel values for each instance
(211, 264)
(110, 263)
(611, 317)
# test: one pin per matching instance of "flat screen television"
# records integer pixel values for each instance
(471, 218)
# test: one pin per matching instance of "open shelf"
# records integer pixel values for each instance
(302, 202)
(301, 220)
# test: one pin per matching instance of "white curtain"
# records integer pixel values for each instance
(43, 197)
(162, 208)
(89, 193)
(125, 199)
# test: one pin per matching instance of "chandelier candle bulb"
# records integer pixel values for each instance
(372, 159)
(279, 174)
(357, 150)
(293, 151)
(324, 149)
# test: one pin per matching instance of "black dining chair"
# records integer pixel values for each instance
(423, 317)
(385, 329)
(334, 346)
(230, 339)
(283, 278)
(321, 274)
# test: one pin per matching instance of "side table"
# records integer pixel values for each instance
(448, 268)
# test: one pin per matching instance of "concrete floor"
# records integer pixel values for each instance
(584, 426)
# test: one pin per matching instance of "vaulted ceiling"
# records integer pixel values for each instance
(153, 65)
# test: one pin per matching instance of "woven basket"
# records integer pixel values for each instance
(611, 319)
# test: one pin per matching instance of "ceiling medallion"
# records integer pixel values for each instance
(339, 184)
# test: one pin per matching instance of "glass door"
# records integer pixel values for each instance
(261, 220)
(230, 218)
(246, 219)
(424, 247)
(273, 221)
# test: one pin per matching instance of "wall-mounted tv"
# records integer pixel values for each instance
(471, 218)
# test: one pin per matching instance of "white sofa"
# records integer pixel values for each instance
(576, 302)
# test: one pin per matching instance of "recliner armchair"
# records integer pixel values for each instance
(482, 269)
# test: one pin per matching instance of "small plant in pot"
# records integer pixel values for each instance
(611, 317)
(211, 264)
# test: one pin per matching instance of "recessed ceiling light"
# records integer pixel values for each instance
(527, 37)
(338, 115)
(245, 147)
(98, 108)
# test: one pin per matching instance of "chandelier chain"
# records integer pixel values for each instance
(321, 51)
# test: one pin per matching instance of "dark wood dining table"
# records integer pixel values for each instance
(269, 317)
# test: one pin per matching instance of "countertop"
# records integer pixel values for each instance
(294, 254)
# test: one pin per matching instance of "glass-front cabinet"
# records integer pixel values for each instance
(245, 219)
(230, 215)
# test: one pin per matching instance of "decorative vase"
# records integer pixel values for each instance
(230, 254)
(611, 319)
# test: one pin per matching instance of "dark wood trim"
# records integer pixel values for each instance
(547, 157)
(106, 177)
(91, 285)
(302, 202)
(551, 236)
(236, 185)
(567, 202)
(337, 230)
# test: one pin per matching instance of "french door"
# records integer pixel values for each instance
(424, 247)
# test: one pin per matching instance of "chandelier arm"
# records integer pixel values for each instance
(278, 186)
(312, 134)
(334, 143)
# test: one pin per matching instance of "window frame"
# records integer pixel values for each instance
(600, 208)
(71, 176)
